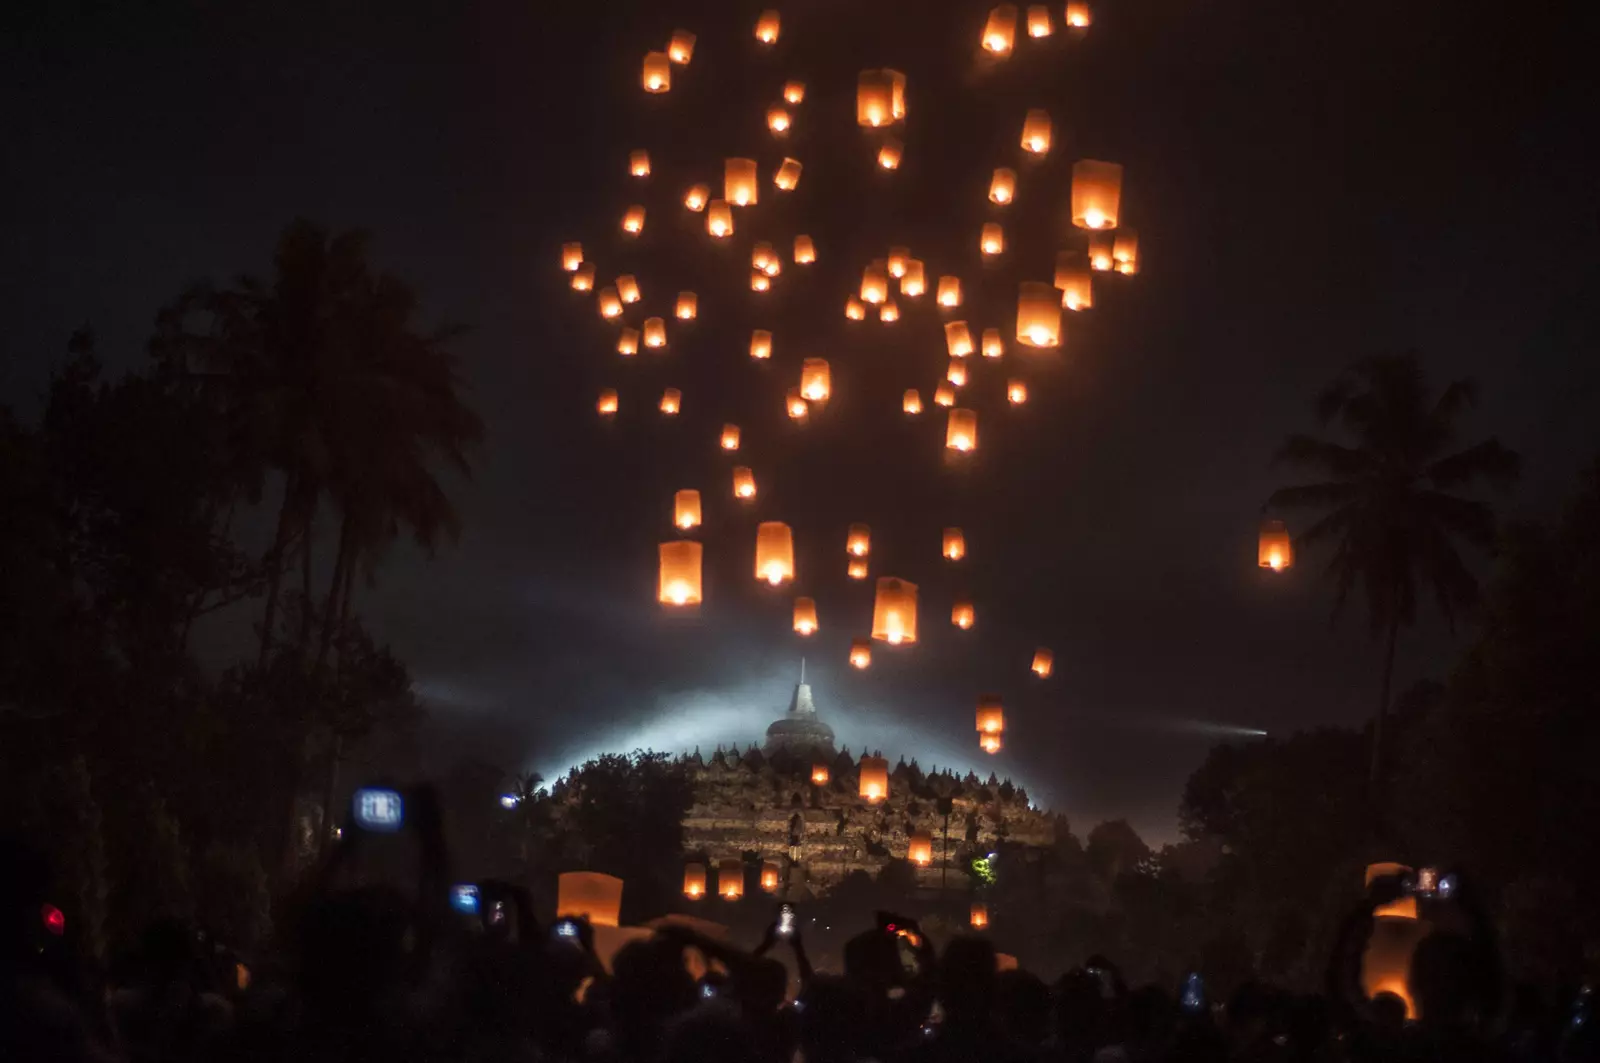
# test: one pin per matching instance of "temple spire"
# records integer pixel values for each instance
(802, 671)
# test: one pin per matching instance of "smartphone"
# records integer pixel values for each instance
(1193, 997)
(566, 930)
(707, 990)
(378, 809)
(1427, 881)
(786, 919)
(464, 899)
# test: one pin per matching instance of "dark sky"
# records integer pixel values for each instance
(1311, 183)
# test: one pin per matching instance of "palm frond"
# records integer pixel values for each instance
(1331, 458)
(1488, 461)
(1312, 496)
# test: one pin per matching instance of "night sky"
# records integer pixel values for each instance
(1311, 183)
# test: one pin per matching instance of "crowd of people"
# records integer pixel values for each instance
(378, 967)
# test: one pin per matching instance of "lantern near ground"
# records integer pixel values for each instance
(1003, 186)
(1078, 14)
(633, 220)
(957, 339)
(1044, 662)
(805, 252)
(627, 288)
(956, 372)
(609, 301)
(759, 281)
(894, 611)
(992, 240)
(889, 313)
(989, 743)
(1016, 392)
(730, 878)
(628, 342)
(919, 850)
(889, 154)
(571, 257)
(858, 540)
(963, 615)
(990, 344)
(760, 344)
(1036, 131)
(739, 185)
(1096, 194)
(1125, 252)
(1039, 21)
(671, 402)
(767, 27)
(744, 483)
(1038, 315)
(911, 402)
(774, 552)
(980, 915)
(805, 616)
(697, 197)
(657, 74)
(1000, 32)
(796, 406)
(855, 309)
(955, 544)
(688, 306)
(694, 881)
(860, 653)
(856, 568)
(915, 282)
(874, 778)
(730, 437)
(655, 332)
(815, 379)
(1100, 249)
(1274, 549)
(639, 163)
(949, 294)
(944, 395)
(788, 176)
(678, 582)
(589, 895)
(607, 404)
(794, 91)
(991, 715)
(686, 509)
(778, 119)
(874, 98)
(583, 279)
(1073, 278)
(680, 49)
(820, 774)
(769, 877)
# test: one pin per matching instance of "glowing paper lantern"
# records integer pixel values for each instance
(655, 332)
(795, 404)
(819, 775)
(1000, 32)
(794, 91)
(1039, 21)
(980, 915)
(815, 379)
(639, 163)
(657, 74)
(1036, 131)
(1016, 392)
(1100, 250)
(858, 540)
(787, 177)
(627, 288)
(739, 185)
(944, 395)
(686, 509)
(1073, 277)
(899, 81)
(1096, 194)
(805, 252)
(805, 615)
(949, 291)
(962, 431)
(1044, 662)
(912, 402)
(991, 715)
(628, 342)
(919, 850)
(992, 240)
(1401, 907)
(678, 582)
(915, 282)
(1038, 315)
(889, 313)
(1274, 549)
(671, 402)
(874, 776)
(897, 260)
(730, 437)
(860, 653)
(894, 611)
(956, 373)
(889, 154)
(633, 220)
(589, 895)
(744, 483)
(957, 339)
(694, 881)
(688, 306)
(767, 27)
(855, 309)
(680, 49)
(777, 119)
(856, 568)
(990, 344)
(962, 615)
(583, 279)
(730, 878)
(874, 98)
(609, 301)
(875, 282)
(769, 877)
(1003, 186)
(571, 257)
(989, 743)
(1125, 252)
(760, 344)
(1078, 14)
(697, 197)
(607, 405)
(759, 281)
(955, 544)
(761, 255)
(774, 552)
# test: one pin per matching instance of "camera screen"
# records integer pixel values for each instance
(567, 928)
(786, 919)
(378, 810)
(464, 899)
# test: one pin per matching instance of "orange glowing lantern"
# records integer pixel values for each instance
(992, 240)
(589, 895)
(949, 291)
(955, 544)
(874, 777)
(628, 342)
(989, 743)
(1274, 549)
(1038, 315)
(739, 185)
(767, 27)
(769, 877)
(760, 282)
(855, 309)
(730, 437)
(607, 405)
(944, 395)
(795, 404)
(856, 568)
(889, 313)
(874, 98)
(1044, 662)
(627, 288)
(794, 91)
(805, 615)
(1016, 392)
(610, 302)
(583, 279)
(915, 282)
(657, 74)
(980, 915)
(1073, 277)
(963, 616)
(655, 332)
(688, 306)
(788, 175)
(719, 219)
(899, 81)
(911, 403)
(991, 344)
(889, 154)
(820, 774)
(1096, 194)
(571, 257)
(760, 344)
(815, 379)
(744, 483)
(1401, 907)
(761, 255)
(1036, 131)
(697, 197)
(860, 653)
(694, 881)
(633, 220)
(639, 163)
(991, 715)
(894, 611)
(1078, 14)
(678, 582)
(1003, 186)
(1100, 250)
(898, 258)
(957, 339)
(1000, 32)
(778, 119)
(671, 402)
(919, 850)
(680, 49)
(686, 509)
(956, 373)
(730, 878)
(774, 552)
(1125, 252)
(1039, 21)
(875, 282)
(858, 540)
(805, 252)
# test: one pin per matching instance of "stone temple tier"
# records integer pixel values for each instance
(800, 733)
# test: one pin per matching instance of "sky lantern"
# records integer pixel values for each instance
(744, 483)
(760, 344)
(671, 402)
(858, 540)
(697, 197)
(990, 744)
(874, 777)
(794, 91)
(1096, 194)
(657, 74)
(820, 774)
(963, 616)
(956, 372)
(958, 339)
(875, 98)
(627, 288)
(990, 344)
(1036, 131)
(679, 579)
(855, 309)
(991, 715)
(875, 282)
(730, 437)
(583, 278)
(1073, 278)
(1078, 14)
(589, 895)
(774, 552)
(889, 312)
(739, 182)
(788, 175)
(944, 395)
(955, 544)
(992, 240)
(694, 881)
(894, 611)
(759, 281)
(1100, 250)
(571, 257)
(639, 163)
(962, 431)
(1044, 662)
(889, 154)
(633, 220)
(769, 877)
(688, 306)
(980, 915)
(767, 27)
(897, 261)
(686, 509)
(1003, 186)
(607, 405)
(796, 405)
(1000, 32)
(730, 878)
(1274, 549)
(1039, 21)
(778, 119)
(1038, 315)
(911, 403)
(1125, 252)
(610, 302)
(680, 49)
(915, 282)
(919, 849)
(805, 252)
(949, 291)
(1016, 392)
(815, 379)
(805, 616)
(761, 255)
(898, 80)
(856, 568)
(628, 342)
(655, 332)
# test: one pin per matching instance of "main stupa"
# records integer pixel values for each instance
(799, 733)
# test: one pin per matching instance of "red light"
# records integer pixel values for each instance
(890, 928)
(55, 920)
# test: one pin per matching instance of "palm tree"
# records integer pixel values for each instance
(1386, 501)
